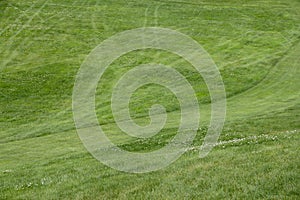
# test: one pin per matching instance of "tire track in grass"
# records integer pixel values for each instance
(28, 22)
(18, 18)
(24, 13)
(279, 90)
(241, 103)
(269, 95)
(13, 53)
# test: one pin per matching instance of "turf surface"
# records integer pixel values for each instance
(254, 43)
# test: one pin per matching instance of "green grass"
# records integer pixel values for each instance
(254, 43)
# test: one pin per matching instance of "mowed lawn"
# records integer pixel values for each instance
(255, 45)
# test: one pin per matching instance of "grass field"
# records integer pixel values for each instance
(255, 45)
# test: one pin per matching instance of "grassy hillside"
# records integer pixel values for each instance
(254, 43)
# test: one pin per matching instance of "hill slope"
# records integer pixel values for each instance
(256, 47)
